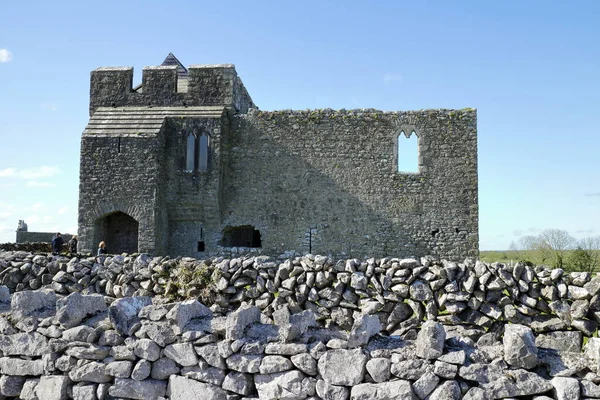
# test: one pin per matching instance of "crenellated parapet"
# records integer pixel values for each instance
(204, 85)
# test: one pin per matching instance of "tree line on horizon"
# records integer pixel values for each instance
(557, 248)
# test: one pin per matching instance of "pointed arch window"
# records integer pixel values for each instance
(408, 152)
(190, 155)
(197, 152)
(203, 152)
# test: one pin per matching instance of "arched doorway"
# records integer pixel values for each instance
(119, 231)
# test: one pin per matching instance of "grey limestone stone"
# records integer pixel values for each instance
(53, 387)
(28, 391)
(24, 344)
(280, 385)
(238, 321)
(328, 391)
(410, 369)
(305, 363)
(181, 388)
(85, 392)
(244, 363)
(425, 384)
(163, 368)
(343, 367)
(379, 369)
(146, 349)
(365, 326)
(140, 390)
(286, 349)
(182, 353)
(119, 369)
(449, 390)
(74, 308)
(141, 370)
(91, 372)
(11, 386)
(16, 366)
(382, 391)
(566, 388)
(123, 312)
(519, 346)
(33, 302)
(210, 375)
(239, 383)
(183, 312)
(430, 340)
(211, 354)
(271, 364)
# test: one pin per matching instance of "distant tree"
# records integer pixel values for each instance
(553, 245)
(586, 256)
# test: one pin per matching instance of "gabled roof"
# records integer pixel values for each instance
(142, 121)
(182, 74)
(172, 60)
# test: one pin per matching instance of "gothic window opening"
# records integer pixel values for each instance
(241, 236)
(203, 152)
(408, 152)
(190, 158)
(197, 152)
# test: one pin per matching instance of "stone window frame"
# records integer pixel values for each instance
(420, 147)
(197, 135)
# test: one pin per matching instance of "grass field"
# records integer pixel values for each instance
(506, 256)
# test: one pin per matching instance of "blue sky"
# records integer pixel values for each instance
(530, 68)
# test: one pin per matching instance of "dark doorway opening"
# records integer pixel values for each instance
(119, 231)
(241, 236)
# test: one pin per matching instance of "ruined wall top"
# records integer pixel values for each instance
(205, 85)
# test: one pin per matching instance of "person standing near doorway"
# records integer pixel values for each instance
(57, 244)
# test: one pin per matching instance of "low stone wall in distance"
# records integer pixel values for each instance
(302, 328)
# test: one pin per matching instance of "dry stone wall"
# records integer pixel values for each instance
(302, 328)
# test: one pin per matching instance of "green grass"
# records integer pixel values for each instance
(506, 256)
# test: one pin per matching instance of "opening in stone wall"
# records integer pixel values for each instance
(119, 231)
(241, 236)
(196, 152)
(408, 152)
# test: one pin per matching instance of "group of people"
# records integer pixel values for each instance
(58, 245)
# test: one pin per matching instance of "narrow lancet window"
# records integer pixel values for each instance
(203, 152)
(408, 152)
(190, 159)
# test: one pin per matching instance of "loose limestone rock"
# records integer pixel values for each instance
(75, 307)
(123, 312)
(53, 387)
(140, 390)
(343, 367)
(430, 340)
(519, 346)
(238, 321)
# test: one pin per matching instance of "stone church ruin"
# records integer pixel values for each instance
(186, 164)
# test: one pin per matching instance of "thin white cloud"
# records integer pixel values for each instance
(5, 214)
(390, 78)
(37, 207)
(63, 210)
(593, 194)
(5, 56)
(7, 185)
(45, 171)
(8, 172)
(39, 184)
